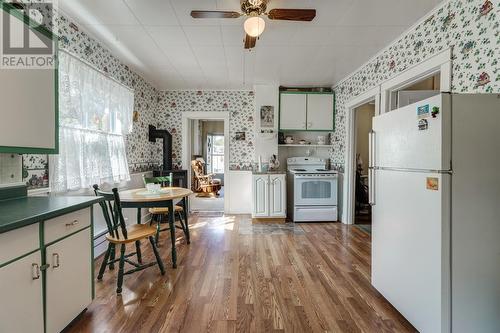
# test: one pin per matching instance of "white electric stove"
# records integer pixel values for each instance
(313, 194)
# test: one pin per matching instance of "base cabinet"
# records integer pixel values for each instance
(21, 305)
(69, 279)
(53, 273)
(269, 196)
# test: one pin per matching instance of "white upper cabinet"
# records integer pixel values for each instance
(29, 103)
(300, 111)
(292, 111)
(320, 112)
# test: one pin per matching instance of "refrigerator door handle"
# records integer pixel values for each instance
(371, 186)
(371, 168)
(371, 147)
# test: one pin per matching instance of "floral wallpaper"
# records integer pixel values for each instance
(471, 27)
(240, 104)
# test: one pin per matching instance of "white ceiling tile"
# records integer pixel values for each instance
(99, 11)
(312, 36)
(168, 37)
(210, 57)
(204, 35)
(153, 12)
(233, 35)
(182, 57)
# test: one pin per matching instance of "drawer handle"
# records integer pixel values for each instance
(35, 271)
(55, 260)
(75, 222)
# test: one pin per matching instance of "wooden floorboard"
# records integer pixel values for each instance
(311, 278)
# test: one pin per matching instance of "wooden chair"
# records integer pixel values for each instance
(206, 183)
(120, 234)
(160, 214)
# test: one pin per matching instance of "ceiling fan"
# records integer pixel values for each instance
(254, 25)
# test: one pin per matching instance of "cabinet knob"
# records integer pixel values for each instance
(35, 271)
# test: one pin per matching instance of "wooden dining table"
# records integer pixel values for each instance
(142, 198)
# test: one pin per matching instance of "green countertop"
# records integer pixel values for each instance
(19, 212)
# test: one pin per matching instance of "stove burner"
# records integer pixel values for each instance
(299, 170)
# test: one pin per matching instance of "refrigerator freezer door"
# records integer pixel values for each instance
(399, 143)
(410, 246)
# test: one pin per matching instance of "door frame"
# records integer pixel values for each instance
(439, 63)
(350, 152)
(186, 145)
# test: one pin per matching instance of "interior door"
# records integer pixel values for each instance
(21, 306)
(69, 279)
(320, 112)
(293, 111)
(410, 246)
(399, 143)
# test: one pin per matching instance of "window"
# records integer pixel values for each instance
(95, 114)
(215, 155)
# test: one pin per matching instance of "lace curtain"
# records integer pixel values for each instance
(95, 114)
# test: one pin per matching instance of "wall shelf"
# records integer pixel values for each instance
(304, 145)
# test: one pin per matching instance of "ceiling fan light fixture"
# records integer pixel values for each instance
(254, 26)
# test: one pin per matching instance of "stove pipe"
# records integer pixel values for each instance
(167, 145)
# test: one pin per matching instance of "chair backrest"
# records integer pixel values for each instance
(197, 167)
(162, 180)
(112, 211)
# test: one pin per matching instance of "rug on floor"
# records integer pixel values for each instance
(246, 227)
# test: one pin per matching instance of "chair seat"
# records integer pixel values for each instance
(164, 210)
(134, 232)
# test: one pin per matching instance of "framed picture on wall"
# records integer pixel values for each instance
(267, 116)
(240, 136)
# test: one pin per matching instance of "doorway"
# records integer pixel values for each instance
(363, 116)
(206, 157)
(207, 148)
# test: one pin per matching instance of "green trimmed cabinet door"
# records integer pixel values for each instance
(21, 305)
(69, 279)
(320, 112)
(293, 114)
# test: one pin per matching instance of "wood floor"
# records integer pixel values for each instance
(307, 278)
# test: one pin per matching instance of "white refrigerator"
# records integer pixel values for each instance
(435, 189)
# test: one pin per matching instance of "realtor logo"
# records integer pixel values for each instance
(27, 42)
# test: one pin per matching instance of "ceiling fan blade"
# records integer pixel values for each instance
(214, 14)
(250, 42)
(292, 14)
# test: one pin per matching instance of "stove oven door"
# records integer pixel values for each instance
(315, 190)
